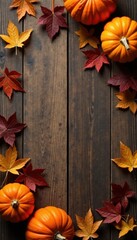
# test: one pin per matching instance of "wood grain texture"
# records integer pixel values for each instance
(45, 109)
(8, 107)
(89, 133)
(73, 128)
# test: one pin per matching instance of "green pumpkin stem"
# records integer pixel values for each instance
(124, 41)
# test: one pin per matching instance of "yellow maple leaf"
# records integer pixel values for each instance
(127, 159)
(8, 163)
(23, 7)
(87, 226)
(125, 227)
(127, 100)
(87, 37)
(15, 39)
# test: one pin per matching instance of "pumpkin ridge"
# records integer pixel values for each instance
(132, 28)
(9, 194)
(53, 225)
(90, 11)
(124, 49)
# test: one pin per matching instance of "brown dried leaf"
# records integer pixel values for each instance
(87, 226)
(127, 159)
(127, 100)
(87, 37)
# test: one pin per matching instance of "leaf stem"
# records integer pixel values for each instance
(5, 179)
(53, 6)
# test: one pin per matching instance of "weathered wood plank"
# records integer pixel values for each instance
(45, 109)
(89, 133)
(123, 123)
(7, 107)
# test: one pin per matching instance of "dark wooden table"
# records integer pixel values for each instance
(73, 128)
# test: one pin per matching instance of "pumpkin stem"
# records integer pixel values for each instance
(15, 203)
(58, 236)
(124, 41)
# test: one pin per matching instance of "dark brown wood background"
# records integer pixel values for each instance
(73, 128)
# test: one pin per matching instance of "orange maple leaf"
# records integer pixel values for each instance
(125, 227)
(15, 39)
(87, 226)
(23, 7)
(8, 163)
(127, 160)
(87, 37)
(127, 100)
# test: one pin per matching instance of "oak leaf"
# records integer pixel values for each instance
(8, 163)
(127, 100)
(121, 194)
(53, 20)
(8, 128)
(23, 7)
(15, 39)
(124, 81)
(87, 226)
(127, 159)
(125, 227)
(111, 212)
(9, 82)
(32, 177)
(96, 59)
(87, 37)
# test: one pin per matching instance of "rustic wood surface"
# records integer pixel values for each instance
(73, 128)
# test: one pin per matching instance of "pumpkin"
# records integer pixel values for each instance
(16, 202)
(50, 223)
(119, 39)
(90, 11)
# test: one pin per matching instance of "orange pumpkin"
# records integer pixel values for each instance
(50, 223)
(119, 39)
(90, 11)
(16, 202)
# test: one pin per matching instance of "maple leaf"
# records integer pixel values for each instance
(8, 128)
(15, 39)
(87, 37)
(125, 227)
(23, 7)
(127, 159)
(53, 20)
(124, 82)
(110, 212)
(121, 194)
(127, 100)
(96, 59)
(32, 177)
(9, 82)
(8, 163)
(88, 226)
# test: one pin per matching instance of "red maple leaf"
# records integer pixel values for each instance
(110, 212)
(9, 82)
(96, 59)
(8, 128)
(124, 82)
(121, 194)
(53, 20)
(32, 178)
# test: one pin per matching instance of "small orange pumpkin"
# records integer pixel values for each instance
(50, 223)
(16, 202)
(90, 11)
(119, 39)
